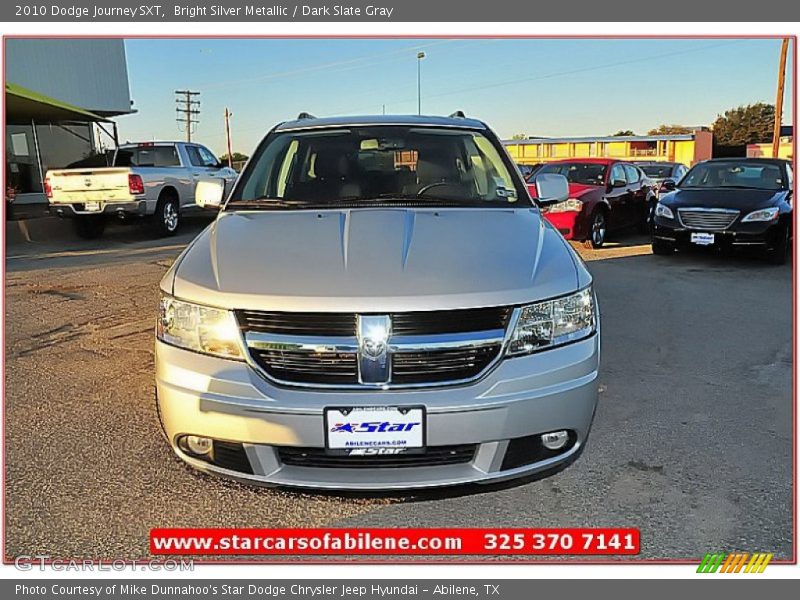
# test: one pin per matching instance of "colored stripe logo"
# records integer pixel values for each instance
(737, 562)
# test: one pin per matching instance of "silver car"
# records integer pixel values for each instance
(378, 305)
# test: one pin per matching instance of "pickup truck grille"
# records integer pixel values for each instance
(327, 350)
(707, 219)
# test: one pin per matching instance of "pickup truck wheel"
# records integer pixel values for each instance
(167, 217)
(89, 228)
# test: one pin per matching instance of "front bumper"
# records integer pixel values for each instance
(518, 400)
(76, 209)
(570, 224)
(764, 234)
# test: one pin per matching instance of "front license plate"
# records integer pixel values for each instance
(373, 430)
(92, 206)
(702, 239)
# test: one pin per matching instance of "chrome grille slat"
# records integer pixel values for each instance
(426, 348)
(709, 219)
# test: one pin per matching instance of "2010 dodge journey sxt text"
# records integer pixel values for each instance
(378, 305)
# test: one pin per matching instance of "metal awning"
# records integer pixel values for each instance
(24, 105)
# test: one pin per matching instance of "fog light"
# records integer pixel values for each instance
(555, 440)
(198, 445)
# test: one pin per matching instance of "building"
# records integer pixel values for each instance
(687, 148)
(785, 149)
(59, 96)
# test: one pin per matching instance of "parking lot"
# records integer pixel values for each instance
(692, 441)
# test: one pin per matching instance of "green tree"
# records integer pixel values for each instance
(751, 124)
(236, 157)
(622, 132)
(518, 136)
(665, 129)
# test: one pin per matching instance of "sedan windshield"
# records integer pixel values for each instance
(734, 174)
(578, 172)
(376, 165)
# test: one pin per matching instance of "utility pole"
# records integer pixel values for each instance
(187, 109)
(776, 131)
(228, 115)
(420, 56)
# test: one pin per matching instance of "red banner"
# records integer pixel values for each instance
(546, 541)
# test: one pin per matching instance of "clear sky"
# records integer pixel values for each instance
(536, 87)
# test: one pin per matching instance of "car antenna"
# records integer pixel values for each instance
(459, 114)
(305, 115)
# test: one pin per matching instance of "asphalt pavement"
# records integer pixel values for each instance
(692, 442)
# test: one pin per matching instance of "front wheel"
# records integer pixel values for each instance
(89, 228)
(597, 230)
(167, 217)
(777, 254)
(662, 248)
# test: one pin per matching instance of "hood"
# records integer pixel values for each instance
(739, 199)
(376, 260)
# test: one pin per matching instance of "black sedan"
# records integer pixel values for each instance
(728, 203)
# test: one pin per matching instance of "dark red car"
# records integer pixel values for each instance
(605, 195)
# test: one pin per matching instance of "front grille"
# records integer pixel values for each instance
(709, 220)
(336, 368)
(434, 456)
(441, 365)
(301, 323)
(427, 347)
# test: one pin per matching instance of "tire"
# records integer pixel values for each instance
(167, 218)
(646, 226)
(597, 229)
(89, 228)
(662, 248)
(778, 253)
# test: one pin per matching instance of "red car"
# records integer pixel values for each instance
(605, 195)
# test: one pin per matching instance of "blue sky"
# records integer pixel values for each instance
(536, 87)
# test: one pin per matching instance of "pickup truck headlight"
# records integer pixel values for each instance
(571, 205)
(554, 322)
(765, 214)
(664, 211)
(199, 328)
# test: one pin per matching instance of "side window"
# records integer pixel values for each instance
(680, 172)
(789, 177)
(194, 156)
(209, 160)
(617, 172)
(166, 156)
(631, 173)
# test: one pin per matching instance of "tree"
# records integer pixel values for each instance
(518, 136)
(622, 132)
(670, 130)
(236, 157)
(751, 124)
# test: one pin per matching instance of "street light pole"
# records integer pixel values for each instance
(420, 56)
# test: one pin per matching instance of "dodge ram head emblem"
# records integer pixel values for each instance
(374, 361)
(87, 182)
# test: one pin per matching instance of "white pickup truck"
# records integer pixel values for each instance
(150, 179)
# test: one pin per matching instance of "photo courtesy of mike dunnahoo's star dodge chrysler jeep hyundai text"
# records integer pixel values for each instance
(378, 305)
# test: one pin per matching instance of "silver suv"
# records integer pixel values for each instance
(379, 305)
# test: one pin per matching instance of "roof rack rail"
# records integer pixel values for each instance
(459, 114)
(305, 115)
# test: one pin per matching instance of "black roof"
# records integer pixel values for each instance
(777, 161)
(409, 120)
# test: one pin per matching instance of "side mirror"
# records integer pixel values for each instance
(669, 185)
(209, 193)
(618, 183)
(551, 188)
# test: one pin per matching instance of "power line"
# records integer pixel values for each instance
(187, 109)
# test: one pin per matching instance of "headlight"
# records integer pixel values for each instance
(663, 211)
(554, 322)
(571, 205)
(199, 328)
(765, 214)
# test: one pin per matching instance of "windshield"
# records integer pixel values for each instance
(376, 164)
(578, 172)
(657, 171)
(734, 174)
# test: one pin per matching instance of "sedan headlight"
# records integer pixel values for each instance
(765, 214)
(554, 322)
(664, 211)
(571, 205)
(200, 328)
